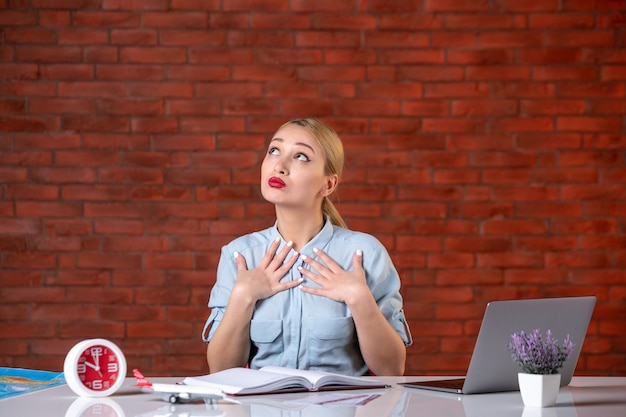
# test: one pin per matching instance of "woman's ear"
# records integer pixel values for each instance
(330, 185)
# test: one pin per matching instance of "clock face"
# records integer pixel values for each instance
(95, 368)
(98, 367)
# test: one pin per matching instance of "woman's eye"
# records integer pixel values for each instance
(273, 151)
(302, 157)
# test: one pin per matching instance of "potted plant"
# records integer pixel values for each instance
(540, 360)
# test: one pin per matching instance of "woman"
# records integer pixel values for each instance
(306, 293)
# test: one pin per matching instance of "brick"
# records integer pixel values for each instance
(54, 17)
(483, 107)
(100, 54)
(582, 5)
(129, 72)
(187, 20)
(13, 71)
(588, 124)
(29, 36)
(47, 209)
(549, 209)
(478, 244)
(431, 73)
(115, 141)
(223, 56)
(450, 260)
(133, 36)
(130, 175)
(98, 123)
(575, 259)
(510, 260)
(611, 20)
(154, 125)
(8, 106)
(18, 18)
(82, 37)
(456, 6)
(455, 90)
(145, 107)
(410, 21)
(28, 124)
(67, 72)
(151, 89)
(587, 38)
(543, 56)
(514, 227)
(164, 193)
(458, 39)
(482, 210)
(584, 226)
(48, 54)
(61, 106)
(32, 192)
(29, 261)
(554, 21)
(525, 90)
(526, 193)
(63, 175)
(198, 73)
(608, 107)
(553, 107)
(591, 89)
(468, 21)
(153, 55)
(137, 4)
(97, 260)
(594, 158)
(521, 39)
(589, 192)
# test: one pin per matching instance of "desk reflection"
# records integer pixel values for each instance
(505, 404)
(392, 403)
(186, 410)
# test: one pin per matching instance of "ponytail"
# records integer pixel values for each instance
(333, 151)
(328, 208)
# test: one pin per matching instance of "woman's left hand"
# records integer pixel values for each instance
(335, 282)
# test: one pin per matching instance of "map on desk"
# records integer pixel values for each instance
(17, 381)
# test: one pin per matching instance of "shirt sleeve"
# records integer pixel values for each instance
(220, 293)
(384, 283)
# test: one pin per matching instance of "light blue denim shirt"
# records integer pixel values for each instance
(304, 331)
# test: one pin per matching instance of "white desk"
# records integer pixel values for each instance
(584, 397)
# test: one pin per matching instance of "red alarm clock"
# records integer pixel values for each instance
(95, 368)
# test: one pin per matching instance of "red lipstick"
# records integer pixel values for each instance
(275, 182)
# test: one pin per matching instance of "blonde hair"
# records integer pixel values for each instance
(331, 144)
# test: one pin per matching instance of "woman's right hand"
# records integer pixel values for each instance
(264, 280)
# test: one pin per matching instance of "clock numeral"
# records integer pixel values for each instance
(96, 351)
(112, 367)
(96, 384)
(81, 368)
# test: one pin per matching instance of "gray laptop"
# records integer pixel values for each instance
(491, 368)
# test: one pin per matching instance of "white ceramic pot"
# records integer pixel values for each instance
(539, 390)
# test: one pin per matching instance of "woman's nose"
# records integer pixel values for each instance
(280, 167)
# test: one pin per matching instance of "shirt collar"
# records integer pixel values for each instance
(319, 241)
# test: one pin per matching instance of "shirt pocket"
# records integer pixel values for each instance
(266, 337)
(333, 344)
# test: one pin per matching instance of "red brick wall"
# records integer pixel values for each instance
(485, 147)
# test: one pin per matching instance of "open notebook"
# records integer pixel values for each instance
(491, 368)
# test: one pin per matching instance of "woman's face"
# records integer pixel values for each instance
(292, 173)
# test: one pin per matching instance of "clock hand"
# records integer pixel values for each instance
(94, 367)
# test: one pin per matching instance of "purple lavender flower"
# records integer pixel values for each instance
(538, 356)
